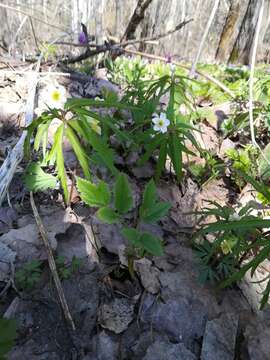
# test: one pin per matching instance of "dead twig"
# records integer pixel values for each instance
(52, 264)
(33, 32)
(116, 47)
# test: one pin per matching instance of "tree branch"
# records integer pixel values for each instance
(136, 19)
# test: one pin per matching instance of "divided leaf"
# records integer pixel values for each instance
(60, 164)
(79, 151)
(152, 244)
(94, 195)
(145, 241)
(123, 200)
(36, 179)
(108, 215)
(151, 210)
(132, 235)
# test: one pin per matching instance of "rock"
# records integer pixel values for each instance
(122, 255)
(254, 287)
(132, 158)
(74, 242)
(143, 172)
(226, 145)
(181, 205)
(31, 350)
(180, 319)
(149, 275)
(164, 350)
(109, 236)
(220, 338)
(207, 138)
(116, 315)
(7, 217)
(26, 241)
(82, 294)
(215, 190)
(105, 347)
(7, 258)
(257, 338)
(154, 229)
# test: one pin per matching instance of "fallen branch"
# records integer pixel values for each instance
(116, 47)
(52, 264)
(206, 76)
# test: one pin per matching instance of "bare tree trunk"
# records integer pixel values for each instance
(231, 29)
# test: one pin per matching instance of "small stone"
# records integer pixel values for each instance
(257, 338)
(143, 172)
(180, 319)
(149, 275)
(105, 347)
(7, 257)
(117, 315)
(220, 338)
(226, 145)
(165, 350)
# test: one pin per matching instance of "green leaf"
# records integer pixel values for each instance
(161, 159)
(132, 235)
(149, 195)
(155, 213)
(259, 186)
(151, 210)
(94, 195)
(35, 179)
(41, 137)
(73, 103)
(123, 200)
(150, 147)
(151, 244)
(108, 215)
(7, 336)
(60, 164)
(83, 128)
(79, 151)
(242, 224)
(176, 155)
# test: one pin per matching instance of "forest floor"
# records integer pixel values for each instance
(163, 312)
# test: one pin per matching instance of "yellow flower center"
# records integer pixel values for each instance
(161, 122)
(56, 96)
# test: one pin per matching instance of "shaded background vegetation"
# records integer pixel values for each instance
(230, 39)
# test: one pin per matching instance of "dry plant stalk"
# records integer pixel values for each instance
(251, 77)
(52, 264)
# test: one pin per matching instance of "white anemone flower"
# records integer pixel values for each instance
(160, 122)
(55, 96)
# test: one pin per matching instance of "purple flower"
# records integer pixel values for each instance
(82, 38)
(168, 58)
